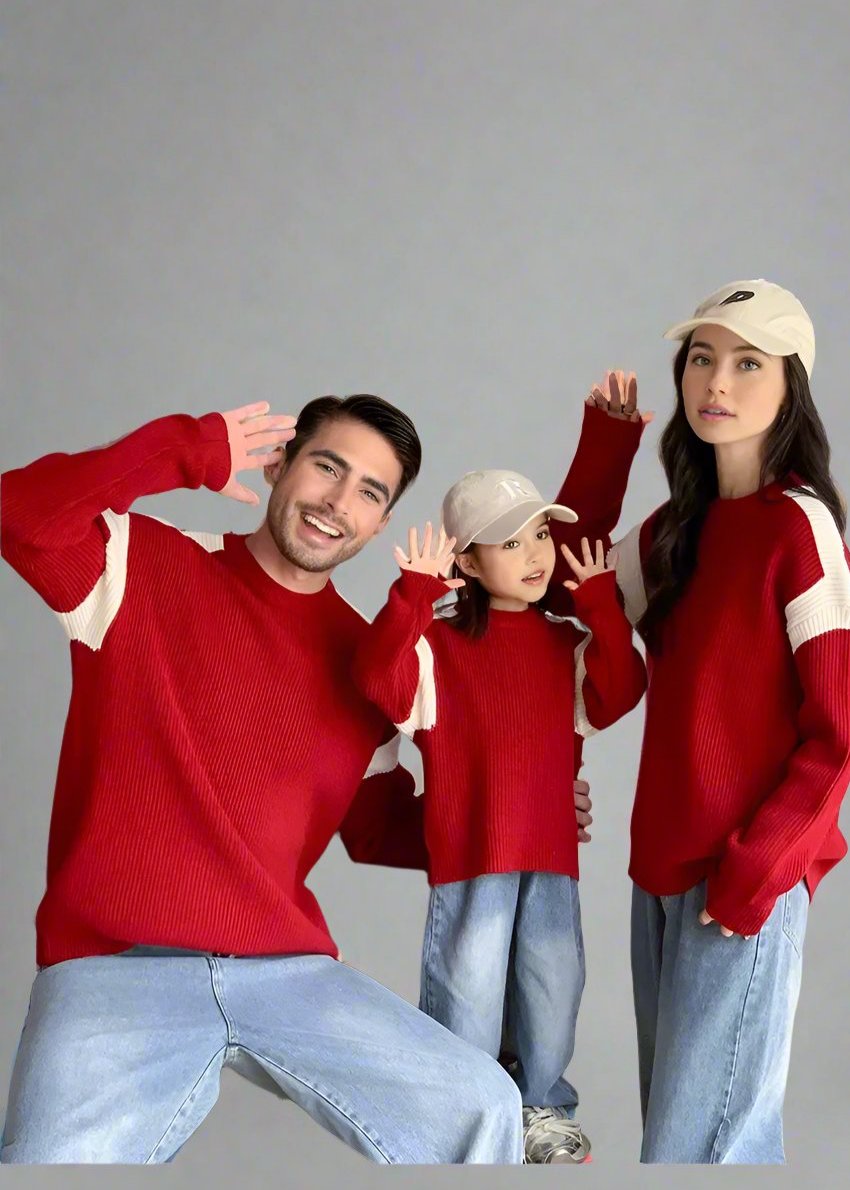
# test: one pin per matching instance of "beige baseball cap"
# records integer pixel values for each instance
(766, 315)
(491, 507)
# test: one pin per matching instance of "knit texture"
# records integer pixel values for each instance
(746, 750)
(215, 740)
(494, 719)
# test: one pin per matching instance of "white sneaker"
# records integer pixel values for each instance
(552, 1138)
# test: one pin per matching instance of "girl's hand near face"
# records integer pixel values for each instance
(617, 395)
(435, 557)
(590, 566)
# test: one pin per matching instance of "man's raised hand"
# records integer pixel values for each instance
(435, 557)
(256, 439)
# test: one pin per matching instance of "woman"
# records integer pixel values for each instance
(740, 588)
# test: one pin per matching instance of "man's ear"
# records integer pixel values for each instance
(273, 471)
(467, 563)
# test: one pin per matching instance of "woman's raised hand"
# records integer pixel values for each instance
(617, 395)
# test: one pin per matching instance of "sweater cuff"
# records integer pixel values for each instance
(610, 434)
(213, 429)
(596, 598)
(420, 589)
(740, 917)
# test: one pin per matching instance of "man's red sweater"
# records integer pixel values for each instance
(494, 719)
(215, 740)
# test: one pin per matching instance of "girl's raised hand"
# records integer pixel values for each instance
(589, 566)
(435, 557)
(617, 395)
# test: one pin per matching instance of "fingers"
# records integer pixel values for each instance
(630, 404)
(581, 786)
(244, 495)
(600, 554)
(572, 560)
(401, 557)
(260, 425)
(427, 538)
(583, 836)
(583, 818)
(413, 544)
(582, 802)
(705, 919)
(270, 438)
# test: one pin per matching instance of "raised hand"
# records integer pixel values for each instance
(617, 395)
(589, 566)
(256, 439)
(435, 557)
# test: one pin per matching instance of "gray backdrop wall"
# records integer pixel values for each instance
(473, 208)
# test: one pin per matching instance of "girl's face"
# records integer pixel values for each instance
(732, 391)
(516, 572)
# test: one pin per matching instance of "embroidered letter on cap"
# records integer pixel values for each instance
(740, 295)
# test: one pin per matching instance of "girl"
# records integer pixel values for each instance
(492, 692)
(740, 587)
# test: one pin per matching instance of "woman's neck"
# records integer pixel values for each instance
(739, 468)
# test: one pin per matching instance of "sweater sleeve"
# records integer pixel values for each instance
(384, 823)
(394, 665)
(59, 513)
(594, 489)
(610, 673)
(779, 844)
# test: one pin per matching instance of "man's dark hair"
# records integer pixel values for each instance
(372, 411)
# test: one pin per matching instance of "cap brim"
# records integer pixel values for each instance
(755, 335)
(510, 523)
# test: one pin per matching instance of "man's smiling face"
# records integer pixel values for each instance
(334, 496)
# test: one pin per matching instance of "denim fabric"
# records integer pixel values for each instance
(120, 1058)
(509, 945)
(714, 1020)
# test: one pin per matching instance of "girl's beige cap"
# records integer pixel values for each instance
(764, 314)
(491, 507)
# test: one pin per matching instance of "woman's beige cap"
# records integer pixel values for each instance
(491, 507)
(764, 314)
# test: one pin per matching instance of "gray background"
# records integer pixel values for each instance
(472, 208)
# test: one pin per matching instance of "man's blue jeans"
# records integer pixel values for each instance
(714, 1021)
(510, 941)
(120, 1058)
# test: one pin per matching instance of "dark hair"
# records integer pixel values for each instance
(471, 611)
(372, 411)
(795, 449)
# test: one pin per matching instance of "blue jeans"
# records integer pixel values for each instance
(714, 1021)
(507, 948)
(120, 1058)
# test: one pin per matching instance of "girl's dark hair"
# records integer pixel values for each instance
(796, 446)
(372, 411)
(471, 611)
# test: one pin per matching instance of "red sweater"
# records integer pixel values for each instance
(746, 750)
(494, 719)
(215, 740)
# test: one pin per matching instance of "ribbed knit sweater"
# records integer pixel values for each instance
(494, 719)
(215, 740)
(746, 749)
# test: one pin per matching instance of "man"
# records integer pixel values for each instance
(214, 744)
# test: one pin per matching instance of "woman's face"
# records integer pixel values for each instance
(732, 391)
